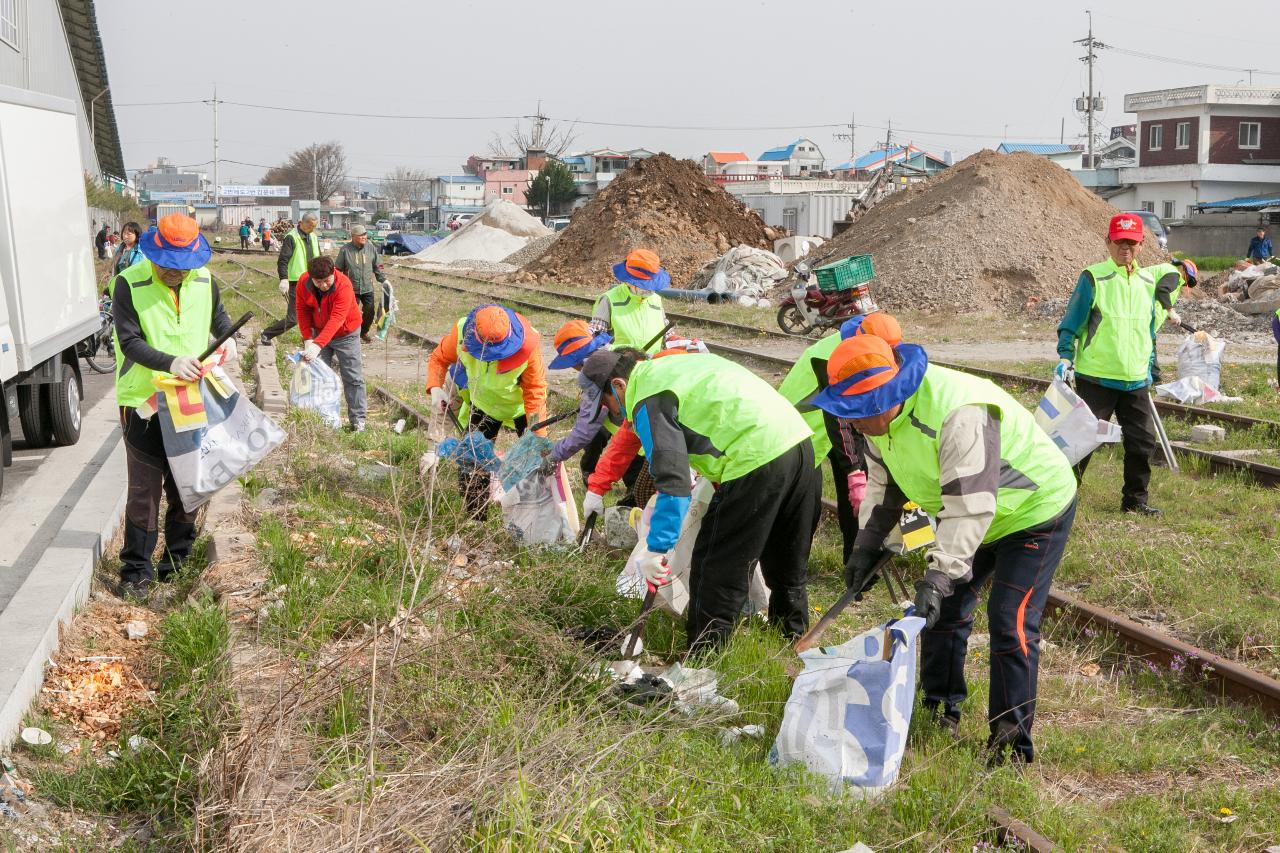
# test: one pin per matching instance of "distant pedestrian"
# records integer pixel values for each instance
(359, 260)
(1259, 247)
(129, 253)
(100, 241)
(245, 231)
(265, 234)
(329, 318)
(298, 248)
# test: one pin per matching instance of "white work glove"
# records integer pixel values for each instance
(186, 367)
(427, 462)
(1066, 370)
(310, 350)
(439, 399)
(592, 503)
(229, 350)
(1175, 317)
(284, 287)
(654, 567)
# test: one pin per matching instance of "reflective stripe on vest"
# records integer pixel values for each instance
(498, 395)
(802, 382)
(176, 328)
(634, 321)
(1116, 342)
(298, 260)
(1036, 482)
(734, 422)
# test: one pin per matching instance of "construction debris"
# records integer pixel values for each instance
(666, 205)
(991, 232)
(501, 229)
(533, 250)
(744, 273)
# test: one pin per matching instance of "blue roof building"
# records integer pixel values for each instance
(802, 158)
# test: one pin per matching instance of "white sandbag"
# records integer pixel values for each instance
(1200, 356)
(535, 511)
(1071, 424)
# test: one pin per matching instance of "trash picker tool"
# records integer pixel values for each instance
(671, 324)
(588, 526)
(810, 638)
(230, 333)
(637, 628)
(1162, 436)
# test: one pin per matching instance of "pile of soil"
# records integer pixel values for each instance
(501, 229)
(993, 231)
(532, 251)
(666, 205)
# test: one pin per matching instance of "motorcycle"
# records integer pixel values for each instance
(809, 308)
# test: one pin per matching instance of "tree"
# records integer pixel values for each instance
(553, 179)
(317, 171)
(552, 139)
(404, 185)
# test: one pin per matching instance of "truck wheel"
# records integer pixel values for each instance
(33, 414)
(64, 407)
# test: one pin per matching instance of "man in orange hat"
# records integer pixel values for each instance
(631, 311)
(1107, 343)
(154, 341)
(505, 377)
(1004, 498)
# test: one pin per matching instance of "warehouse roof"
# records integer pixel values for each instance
(80, 22)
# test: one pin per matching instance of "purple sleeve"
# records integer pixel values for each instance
(1275, 327)
(590, 418)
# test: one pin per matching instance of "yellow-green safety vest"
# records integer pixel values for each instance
(498, 395)
(298, 260)
(1036, 482)
(178, 327)
(1158, 272)
(634, 321)
(802, 382)
(1119, 345)
(745, 421)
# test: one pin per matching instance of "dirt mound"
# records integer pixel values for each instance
(535, 249)
(662, 204)
(500, 230)
(990, 232)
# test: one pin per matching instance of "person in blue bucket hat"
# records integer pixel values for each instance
(1004, 498)
(631, 311)
(153, 341)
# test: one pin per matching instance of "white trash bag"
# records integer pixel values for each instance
(674, 596)
(535, 510)
(315, 386)
(1200, 356)
(1071, 424)
(850, 709)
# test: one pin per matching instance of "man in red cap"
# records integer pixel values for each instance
(505, 378)
(165, 311)
(1004, 498)
(1107, 341)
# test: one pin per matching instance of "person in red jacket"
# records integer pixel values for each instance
(329, 320)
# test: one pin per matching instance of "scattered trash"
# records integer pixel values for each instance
(598, 638)
(733, 734)
(696, 690)
(644, 690)
(399, 427)
(744, 273)
(135, 629)
(137, 743)
(375, 472)
(1192, 390)
(1090, 670)
(13, 792)
(36, 737)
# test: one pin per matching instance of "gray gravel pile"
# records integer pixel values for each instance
(482, 266)
(532, 251)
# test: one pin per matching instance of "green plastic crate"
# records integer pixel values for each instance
(845, 274)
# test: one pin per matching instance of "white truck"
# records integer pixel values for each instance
(49, 303)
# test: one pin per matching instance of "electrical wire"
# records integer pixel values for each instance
(1190, 63)
(363, 115)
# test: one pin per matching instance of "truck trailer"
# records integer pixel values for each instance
(49, 306)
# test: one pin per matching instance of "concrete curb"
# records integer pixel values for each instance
(56, 588)
(271, 397)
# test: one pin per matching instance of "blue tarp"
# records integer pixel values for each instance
(407, 244)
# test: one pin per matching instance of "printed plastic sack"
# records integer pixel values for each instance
(315, 386)
(674, 597)
(850, 709)
(1200, 356)
(1070, 423)
(536, 510)
(212, 433)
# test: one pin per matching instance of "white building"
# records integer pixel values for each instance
(810, 214)
(1066, 156)
(800, 159)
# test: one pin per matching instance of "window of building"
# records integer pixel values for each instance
(1167, 212)
(1149, 206)
(1182, 136)
(1155, 137)
(9, 23)
(508, 190)
(1250, 134)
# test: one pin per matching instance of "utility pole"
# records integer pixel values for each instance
(1091, 44)
(217, 209)
(853, 148)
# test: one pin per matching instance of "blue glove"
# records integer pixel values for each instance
(1066, 370)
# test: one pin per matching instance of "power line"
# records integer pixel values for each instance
(367, 115)
(158, 104)
(1191, 63)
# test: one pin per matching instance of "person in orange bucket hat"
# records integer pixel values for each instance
(631, 311)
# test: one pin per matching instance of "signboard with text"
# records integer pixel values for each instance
(254, 190)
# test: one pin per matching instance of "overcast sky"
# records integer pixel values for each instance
(954, 76)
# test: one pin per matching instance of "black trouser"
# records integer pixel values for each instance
(149, 477)
(591, 458)
(244, 242)
(769, 515)
(290, 320)
(366, 312)
(266, 244)
(1138, 433)
(474, 482)
(845, 457)
(1021, 567)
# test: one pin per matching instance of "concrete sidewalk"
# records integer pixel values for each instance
(53, 532)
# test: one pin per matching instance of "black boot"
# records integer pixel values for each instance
(1140, 508)
(136, 571)
(945, 717)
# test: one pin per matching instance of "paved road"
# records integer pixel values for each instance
(42, 486)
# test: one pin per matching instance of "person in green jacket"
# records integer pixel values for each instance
(631, 311)
(1107, 342)
(727, 424)
(1004, 498)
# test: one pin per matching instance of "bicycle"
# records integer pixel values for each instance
(99, 349)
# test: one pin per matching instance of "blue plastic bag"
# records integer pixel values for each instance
(850, 709)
